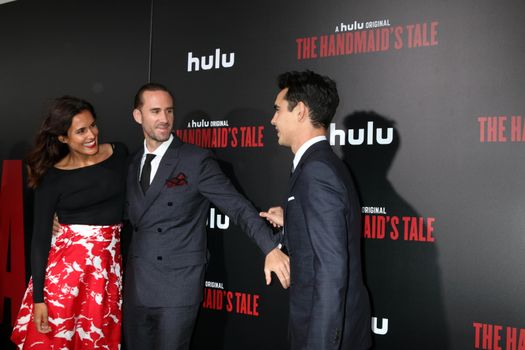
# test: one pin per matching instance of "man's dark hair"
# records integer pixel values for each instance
(317, 92)
(149, 87)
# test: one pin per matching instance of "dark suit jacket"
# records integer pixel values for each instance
(329, 304)
(167, 253)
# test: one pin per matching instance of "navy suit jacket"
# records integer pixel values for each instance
(329, 304)
(168, 253)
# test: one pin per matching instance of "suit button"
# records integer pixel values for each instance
(159, 257)
(170, 204)
(159, 230)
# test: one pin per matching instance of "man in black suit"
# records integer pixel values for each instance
(169, 188)
(329, 304)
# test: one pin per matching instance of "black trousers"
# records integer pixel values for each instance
(158, 328)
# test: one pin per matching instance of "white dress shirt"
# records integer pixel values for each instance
(159, 153)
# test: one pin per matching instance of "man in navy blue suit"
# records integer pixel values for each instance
(329, 304)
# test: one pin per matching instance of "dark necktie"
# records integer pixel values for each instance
(146, 172)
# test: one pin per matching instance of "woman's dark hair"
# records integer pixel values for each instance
(48, 150)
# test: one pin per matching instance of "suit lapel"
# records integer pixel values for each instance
(168, 162)
(134, 192)
(316, 146)
(134, 172)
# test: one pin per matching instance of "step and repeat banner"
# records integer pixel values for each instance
(430, 124)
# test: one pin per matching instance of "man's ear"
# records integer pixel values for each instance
(302, 111)
(137, 115)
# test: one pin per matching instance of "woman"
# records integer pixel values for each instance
(74, 298)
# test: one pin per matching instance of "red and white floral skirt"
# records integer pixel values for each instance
(82, 291)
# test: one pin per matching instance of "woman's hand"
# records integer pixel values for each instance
(40, 318)
(57, 229)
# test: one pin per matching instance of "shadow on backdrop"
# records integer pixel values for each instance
(403, 277)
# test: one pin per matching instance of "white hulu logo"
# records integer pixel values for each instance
(384, 326)
(360, 139)
(212, 61)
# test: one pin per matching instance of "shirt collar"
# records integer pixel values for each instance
(304, 147)
(159, 152)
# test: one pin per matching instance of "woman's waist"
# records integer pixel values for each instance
(76, 232)
(98, 215)
(81, 225)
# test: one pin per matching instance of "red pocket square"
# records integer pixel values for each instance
(179, 180)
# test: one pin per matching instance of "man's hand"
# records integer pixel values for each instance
(279, 263)
(274, 215)
(40, 318)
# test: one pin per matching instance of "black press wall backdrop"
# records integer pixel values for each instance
(430, 124)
